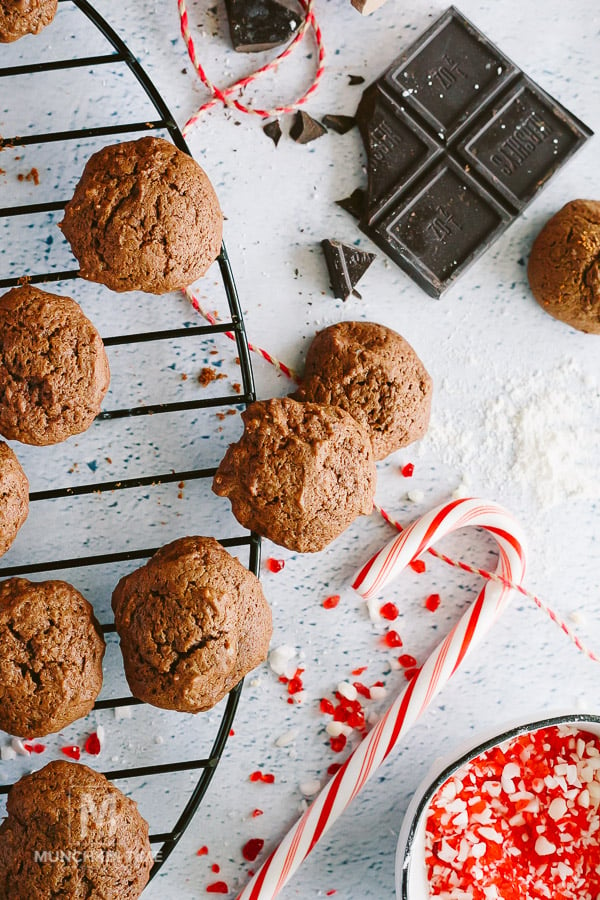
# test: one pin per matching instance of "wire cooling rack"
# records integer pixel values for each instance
(59, 141)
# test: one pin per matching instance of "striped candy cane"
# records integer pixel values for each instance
(443, 662)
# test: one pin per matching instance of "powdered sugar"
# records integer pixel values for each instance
(542, 432)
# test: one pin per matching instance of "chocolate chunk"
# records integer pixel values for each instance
(339, 124)
(458, 142)
(355, 79)
(347, 265)
(259, 24)
(354, 204)
(306, 129)
(273, 130)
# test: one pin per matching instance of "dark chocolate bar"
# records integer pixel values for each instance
(458, 142)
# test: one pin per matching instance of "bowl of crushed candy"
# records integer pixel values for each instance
(514, 818)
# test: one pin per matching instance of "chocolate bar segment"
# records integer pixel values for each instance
(448, 74)
(397, 148)
(522, 142)
(437, 229)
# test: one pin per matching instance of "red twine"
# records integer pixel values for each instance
(224, 95)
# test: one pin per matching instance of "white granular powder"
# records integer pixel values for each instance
(543, 433)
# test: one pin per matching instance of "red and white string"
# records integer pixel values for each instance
(225, 95)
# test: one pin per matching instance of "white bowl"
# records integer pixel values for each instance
(411, 873)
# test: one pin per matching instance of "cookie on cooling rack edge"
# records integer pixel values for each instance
(51, 651)
(21, 17)
(192, 621)
(300, 473)
(54, 370)
(144, 217)
(70, 833)
(14, 497)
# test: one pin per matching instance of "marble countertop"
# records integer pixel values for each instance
(516, 419)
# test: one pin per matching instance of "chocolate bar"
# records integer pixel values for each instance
(459, 140)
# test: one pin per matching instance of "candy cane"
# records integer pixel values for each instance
(443, 662)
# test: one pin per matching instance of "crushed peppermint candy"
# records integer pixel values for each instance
(266, 777)
(217, 887)
(520, 821)
(93, 744)
(72, 751)
(281, 660)
(407, 470)
(331, 602)
(252, 848)
(274, 565)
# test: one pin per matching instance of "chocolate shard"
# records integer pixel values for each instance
(355, 79)
(259, 24)
(339, 124)
(306, 129)
(273, 130)
(347, 265)
(354, 204)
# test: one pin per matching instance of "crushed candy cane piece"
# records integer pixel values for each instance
(252, 848)
(347, 690)
(360, 670)
(287, 738)
(433, 602)
(392, 639)
(407, 661)
(35, 748)
(93, 745)
(73, 751)
(418, 566)
(203, 851)
(407, 470)
(389, 611)
(217, 887)
(216, 868)
(415, 496)
(331, 602)
(256, 813)
(274, 565)
(280, 658)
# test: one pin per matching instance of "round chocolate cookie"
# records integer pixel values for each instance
(21, 17)
(192, 622)
(564, 265)
(14, 497)
(51, 650)
(53, 367)
(72, 834)
(300, 473)
(144, 217)
(373, 373)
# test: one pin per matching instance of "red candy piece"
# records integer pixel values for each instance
(252, 848)
(92, 745)
(217, 887)
(331, 602)
(409, 674)
(333, 768)
(407, 661)
(275, 565)
(256, 813)
(417, 565)
(362, 689)
(338, 743)
(360, 670)
(326, 706)
(203, 851)
(407, 470)
(216, 868)
(35, 748)
(389, 611)
(72, 752)
(392, 639)
(432, 602)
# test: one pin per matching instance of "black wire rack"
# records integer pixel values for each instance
(249, 542)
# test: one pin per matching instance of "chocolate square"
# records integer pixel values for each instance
(434, 231)
(458, 142)
(449, 73)
(522, 142)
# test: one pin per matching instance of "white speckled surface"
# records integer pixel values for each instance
(486, 332)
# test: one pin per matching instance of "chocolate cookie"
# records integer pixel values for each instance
(14, 497)
(21, 17)
(564, 265)
(374, 374)
(300, 473)
(72, 834)
(143, 217)
(192, 621)
(53, 367)
(51, 650)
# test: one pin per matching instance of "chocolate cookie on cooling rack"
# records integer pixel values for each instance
(300, 473)
(18, 18)
(144, 217)
(53, 367)
(51, 650)
(193, 621)
(70, 833)
(14, 497)
(375, 375)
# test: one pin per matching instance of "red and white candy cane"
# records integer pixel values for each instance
(443, 662)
